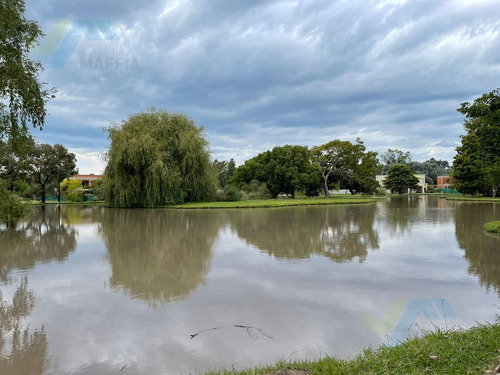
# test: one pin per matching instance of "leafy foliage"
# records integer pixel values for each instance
(285, 169)
(49, 166)
(157, 158)
(11, 207)
(478, 157)
(346, 164)
(20, 86)
(400, 178)
(226, 170)
(72, 190)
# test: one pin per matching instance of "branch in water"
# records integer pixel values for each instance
(206, 330)
(258, 329)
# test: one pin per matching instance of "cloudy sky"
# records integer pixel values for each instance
(262, 73)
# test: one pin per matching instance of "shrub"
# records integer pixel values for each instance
(72, 190)
(11, 207)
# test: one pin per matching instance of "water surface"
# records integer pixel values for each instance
(89, 290)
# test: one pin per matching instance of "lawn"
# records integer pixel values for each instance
(275, 203)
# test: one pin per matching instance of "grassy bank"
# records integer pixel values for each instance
(493, 227)
(273, 203)
(472, 199)
(474, 351)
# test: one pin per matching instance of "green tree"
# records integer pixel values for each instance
(49, 166)
(392, 157)
(64, 167)
(346, 163)
(20, 87)
(468, 166)
(285, 169)
(22, 95)
(432, 168)
(478, 155)
(362, 179)
(400, 178)
(157, 158)
(225, 170)
(14, 161)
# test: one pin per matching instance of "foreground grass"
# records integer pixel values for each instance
(273, 203)
(474, 351)
(476, 199)
(493, 227)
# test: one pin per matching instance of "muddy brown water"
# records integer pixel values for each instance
(92, 290)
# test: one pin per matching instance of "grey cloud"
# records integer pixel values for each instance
(248, 69)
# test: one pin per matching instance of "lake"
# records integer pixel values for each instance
(92, 290)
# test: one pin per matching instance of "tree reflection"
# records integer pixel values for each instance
(44, 238)
(340, 233)
(159, 255)
(481, 249)
(29, 350)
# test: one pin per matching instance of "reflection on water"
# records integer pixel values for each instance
(28, 350)
(159, 255)
(340, 233)
(43, 238)
(482, 251)
(181, 272)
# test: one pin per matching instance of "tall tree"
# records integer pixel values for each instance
(285, 169)
(49, 165)
(391, 157)
(225, 170)
(20, 86)
(157, 158)
(65, 166)
(14, 161)
(432, 168)
(342, 161)
(479, 152)
(400, 178)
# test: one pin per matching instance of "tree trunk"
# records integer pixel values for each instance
(43, 194)
(293, 194)
(325, 187)
(59, 193)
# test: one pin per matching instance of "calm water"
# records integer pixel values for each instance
(89, 290)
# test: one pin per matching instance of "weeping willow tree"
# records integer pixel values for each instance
(157, 158)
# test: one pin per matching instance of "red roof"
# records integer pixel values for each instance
(87, 176)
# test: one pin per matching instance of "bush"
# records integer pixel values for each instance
(231, 193)
(72, 190)
(11, 207)
(256, 190)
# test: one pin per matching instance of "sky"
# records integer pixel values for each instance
(259, 74)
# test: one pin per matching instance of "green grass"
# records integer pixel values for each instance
(475, 351)
(473, 199)
(274, 203)
(493, 227)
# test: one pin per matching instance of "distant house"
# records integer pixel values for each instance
(443, 182)
(422, 185)
(87, 179)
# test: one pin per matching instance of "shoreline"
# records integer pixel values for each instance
(471, 351)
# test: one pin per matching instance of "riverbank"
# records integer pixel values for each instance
(268, 203)
(472, 199)
(492, 227)
(474, 351)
